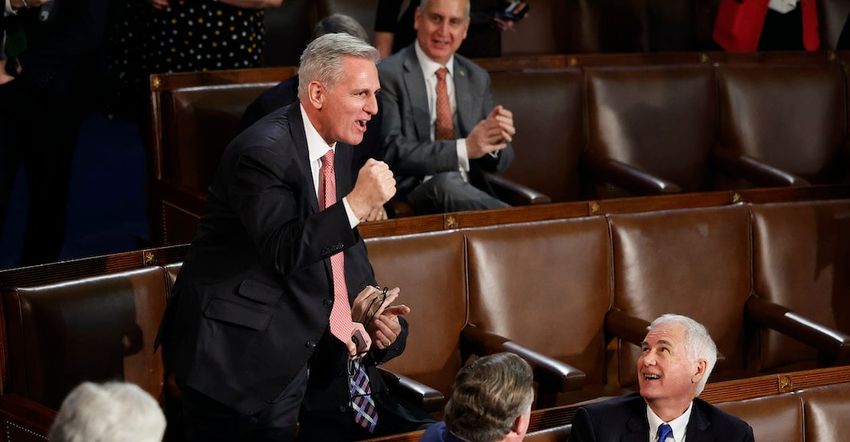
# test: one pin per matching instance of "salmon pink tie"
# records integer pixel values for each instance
(340, 319)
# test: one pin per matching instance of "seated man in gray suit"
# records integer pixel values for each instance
(441, 130)
(677, 357)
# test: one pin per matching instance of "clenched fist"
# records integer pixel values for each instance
(375, 186)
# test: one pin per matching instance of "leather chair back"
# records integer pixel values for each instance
(429, 269)
(694, 262)
(198, 123)
(660, 119)
(94, 329)
(791, 117)
(774, 418)
(550, 147)
(826, 410)
(546, 286)
(801, 254)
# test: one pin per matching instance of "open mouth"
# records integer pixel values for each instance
(361, 124)
(651, 376)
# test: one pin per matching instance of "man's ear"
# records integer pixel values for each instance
(701, 366)
(520, 426)
(316, 94)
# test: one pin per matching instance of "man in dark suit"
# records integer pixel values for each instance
(676, 359)
(42, 110)
(440, 129)
(262, 305)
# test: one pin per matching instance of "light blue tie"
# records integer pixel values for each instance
(664, 431)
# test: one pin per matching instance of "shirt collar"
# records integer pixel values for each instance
(679, 425)
(316, 145)
(430, 66)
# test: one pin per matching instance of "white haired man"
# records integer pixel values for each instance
(677, 356)
(110, 412)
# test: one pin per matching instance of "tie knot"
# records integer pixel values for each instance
(441, 73)
(328, 158)
(664, 431)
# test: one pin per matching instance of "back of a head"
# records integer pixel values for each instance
(110, 412)
(488, 396)
(339, 24)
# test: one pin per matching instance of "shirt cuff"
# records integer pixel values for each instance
(352, 218)
(8, 10)
(462, 157)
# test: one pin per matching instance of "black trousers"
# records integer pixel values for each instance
(207, 420)
(38, 130)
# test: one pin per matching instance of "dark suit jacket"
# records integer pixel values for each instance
(286, 93)
(406, 131)
(254, 294)
(624, 419)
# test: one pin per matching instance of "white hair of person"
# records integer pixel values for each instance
(697, 341)
(424, 4)
(109, 412)
(322, 59)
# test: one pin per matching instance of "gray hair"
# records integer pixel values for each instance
(322, 59)
(424, 4)
(488, 396)
(697, 341)
(339, 23)
(111, 412)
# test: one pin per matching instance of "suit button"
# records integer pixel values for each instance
(343, 408)
(328, 302)
(309, 344)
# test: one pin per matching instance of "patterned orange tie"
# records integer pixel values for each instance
(445, 126)
(340, 319)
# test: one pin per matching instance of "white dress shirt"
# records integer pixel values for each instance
(679, 425)
(317, 148)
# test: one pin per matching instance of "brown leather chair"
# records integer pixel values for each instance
(694, 262)
(826, 410)
(774, 418)
(650, 128)
(429, 269)
(801, 254)
(94, 329)
(548, 147)
(781, 125)
(547, 287)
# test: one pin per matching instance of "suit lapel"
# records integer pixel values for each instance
(463, 98)
(697, 430)
(414, 82)
(299, 139)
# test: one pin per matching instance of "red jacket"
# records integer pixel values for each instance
(739, 23)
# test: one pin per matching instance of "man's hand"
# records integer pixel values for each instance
(375, 186)
(360, 341)
(491, 134)
(17, 5)
(385, 329)
(363, 302)
(4, 77)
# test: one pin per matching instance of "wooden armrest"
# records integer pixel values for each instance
(414, 392)
(828, 341)
(26, 416)
(515, 193)
(755, 171)
(551, 374)
(628, 177)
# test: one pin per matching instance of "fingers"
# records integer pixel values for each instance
(395, 310)
(385, 331)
